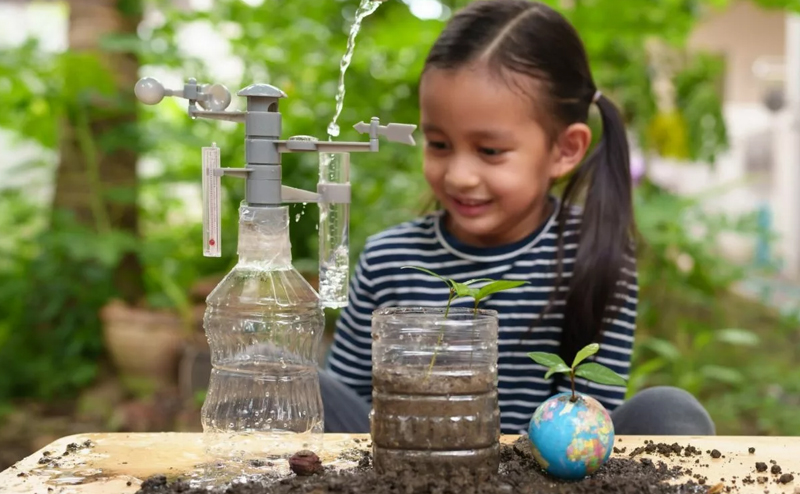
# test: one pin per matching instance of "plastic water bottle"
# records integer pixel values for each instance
(264, 324)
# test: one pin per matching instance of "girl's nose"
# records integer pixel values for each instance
(461, 175)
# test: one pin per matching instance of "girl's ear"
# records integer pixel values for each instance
(570, 149)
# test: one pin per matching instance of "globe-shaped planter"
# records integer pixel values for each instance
(571, 440)
(572, 434)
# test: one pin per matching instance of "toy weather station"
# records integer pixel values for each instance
(264, 321)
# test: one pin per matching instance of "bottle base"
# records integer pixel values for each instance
(259, 445)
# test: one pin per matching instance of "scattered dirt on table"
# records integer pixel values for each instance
(664, 449)
(519, 474)
(775, 470)
(53, 461)
(786, 478)
(715, 453)
(761, 466)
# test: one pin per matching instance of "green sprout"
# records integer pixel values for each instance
(592, 371)
(459, 290)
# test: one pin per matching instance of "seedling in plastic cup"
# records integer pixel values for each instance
(459, 290)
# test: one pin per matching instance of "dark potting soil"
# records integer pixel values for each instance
(519, 473)
(442, 418)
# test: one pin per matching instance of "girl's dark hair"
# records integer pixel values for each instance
(529, 38)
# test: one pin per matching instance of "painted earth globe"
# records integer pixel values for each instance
(571, 440)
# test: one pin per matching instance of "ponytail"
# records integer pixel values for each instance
(605, 233)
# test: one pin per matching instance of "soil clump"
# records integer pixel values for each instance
(518, 473)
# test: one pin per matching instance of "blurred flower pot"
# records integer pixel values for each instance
(144, 344)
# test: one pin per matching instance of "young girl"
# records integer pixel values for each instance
(505, 95)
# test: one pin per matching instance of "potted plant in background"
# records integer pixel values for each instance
(145, 341)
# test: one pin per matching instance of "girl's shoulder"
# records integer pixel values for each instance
(421, 229)
(402, 243)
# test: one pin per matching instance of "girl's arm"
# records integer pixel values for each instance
(350, 358)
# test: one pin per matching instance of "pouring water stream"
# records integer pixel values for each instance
(366, 8)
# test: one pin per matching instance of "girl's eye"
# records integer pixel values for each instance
(437, 145)
(490, 151)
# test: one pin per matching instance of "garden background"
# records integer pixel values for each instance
(102, 277)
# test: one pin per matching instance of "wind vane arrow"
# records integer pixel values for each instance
(395, 132)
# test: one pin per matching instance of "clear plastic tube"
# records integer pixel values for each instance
(334, 233)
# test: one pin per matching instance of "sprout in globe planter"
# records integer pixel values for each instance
(571, 434)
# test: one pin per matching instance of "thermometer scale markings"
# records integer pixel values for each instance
(211, 186)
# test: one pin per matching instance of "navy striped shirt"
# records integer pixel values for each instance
(379, 281)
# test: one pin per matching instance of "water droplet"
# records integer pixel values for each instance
(297, 218)
(333, 130)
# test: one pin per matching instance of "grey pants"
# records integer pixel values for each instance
(658, 411)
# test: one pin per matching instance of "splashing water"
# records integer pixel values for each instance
(364, 9)
(301, 213)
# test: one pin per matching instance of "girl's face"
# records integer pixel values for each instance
(488, 161)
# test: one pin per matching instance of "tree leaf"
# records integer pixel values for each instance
(548, 360)
(557, 368)
(586, 351)
(498, 286)
(663, 348)
(600, 374)
(739, 337)
(722, 374)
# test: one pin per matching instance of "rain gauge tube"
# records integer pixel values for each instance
(334, 235)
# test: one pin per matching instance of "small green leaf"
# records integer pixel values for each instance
(586, 351)
(462, 290)
(548, 360)
(498, 286)
(429, 272)
(600, 374)
(557, 368)
(476, 280)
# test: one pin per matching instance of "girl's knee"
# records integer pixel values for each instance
(667, 396)
(663, 410)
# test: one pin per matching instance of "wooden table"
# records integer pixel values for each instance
(118, 463)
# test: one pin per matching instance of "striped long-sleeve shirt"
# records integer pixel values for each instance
(379, 281)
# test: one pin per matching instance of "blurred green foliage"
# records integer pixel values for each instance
(54, 277)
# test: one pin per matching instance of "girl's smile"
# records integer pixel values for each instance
(470, 207)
